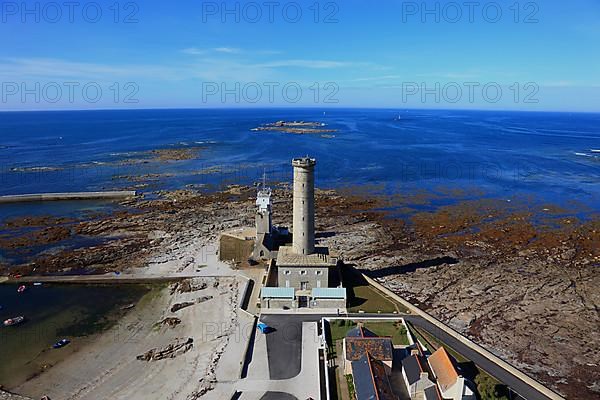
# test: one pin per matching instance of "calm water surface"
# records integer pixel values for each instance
(548, 155)
(54, 312)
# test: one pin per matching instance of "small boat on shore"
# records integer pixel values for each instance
(61, 343)
(14, 321)
(21, 289)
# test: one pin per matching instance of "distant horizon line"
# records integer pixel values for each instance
(391, 109)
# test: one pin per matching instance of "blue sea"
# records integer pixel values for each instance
(549, 157)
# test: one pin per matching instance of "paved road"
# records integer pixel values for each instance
(284, 345)
(284, 349)
(277, 396)
(516, 384)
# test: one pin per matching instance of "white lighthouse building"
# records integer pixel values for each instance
(264, 224)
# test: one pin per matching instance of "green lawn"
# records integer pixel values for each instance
(490, 388)
(394, 329)
(364, 297)
(339, 328)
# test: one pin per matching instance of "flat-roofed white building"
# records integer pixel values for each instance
(277, 297)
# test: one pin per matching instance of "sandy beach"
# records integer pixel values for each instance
(209, 327)
(108, 367)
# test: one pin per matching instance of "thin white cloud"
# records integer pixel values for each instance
(560, 84)
(228, 50)
(269, 52)
(193, 51)
(23, 69)
(59, 70)
(206, 69)
(276, 63)
(451, 75)
(312, 64)
(378, 78)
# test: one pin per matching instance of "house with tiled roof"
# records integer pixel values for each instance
(360, 342)
(371, 380)
(368, 358)
(417, 378)
(451, 385)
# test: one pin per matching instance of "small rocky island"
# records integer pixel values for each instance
(296, 127)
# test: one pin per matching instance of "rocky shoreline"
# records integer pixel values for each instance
(518, 278)
(176, 153)
(10, 396)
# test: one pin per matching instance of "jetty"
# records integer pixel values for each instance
(36, 197)
(100, 279)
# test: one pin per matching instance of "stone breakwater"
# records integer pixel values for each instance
(24, 198)
(518, 278)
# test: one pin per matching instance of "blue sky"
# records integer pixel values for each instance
(393, 54)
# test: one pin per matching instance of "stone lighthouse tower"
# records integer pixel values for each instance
(304, 206)
(303, 270)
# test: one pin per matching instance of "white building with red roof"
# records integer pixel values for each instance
(452, 386)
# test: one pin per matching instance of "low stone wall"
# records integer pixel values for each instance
(277, 304)
(248, 348)
(271, 277)
(325, 358)
(235, 249)
(246, 292)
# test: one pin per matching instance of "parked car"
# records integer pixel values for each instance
(264, 328)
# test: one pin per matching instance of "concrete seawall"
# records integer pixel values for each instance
(99, 279)
(24, 198)
(467, 342)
